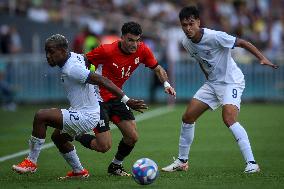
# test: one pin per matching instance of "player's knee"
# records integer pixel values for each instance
(40, 115)
(187, 118)
(131, 139)
(229, 120)
(103, 148)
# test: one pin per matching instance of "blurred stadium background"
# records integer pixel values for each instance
(25, 24)
(27, 84)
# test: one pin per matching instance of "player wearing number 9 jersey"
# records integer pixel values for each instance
(224, 86)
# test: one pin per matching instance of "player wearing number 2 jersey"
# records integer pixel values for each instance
(83, 114)
(117, 61)
(224, 86)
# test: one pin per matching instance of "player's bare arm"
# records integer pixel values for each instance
(252, 49)
(96, 79)
(162, 75)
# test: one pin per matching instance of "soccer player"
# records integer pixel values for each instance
(81, 117)
(117, 61)
(224, 86)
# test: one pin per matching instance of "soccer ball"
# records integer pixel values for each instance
(144, 171)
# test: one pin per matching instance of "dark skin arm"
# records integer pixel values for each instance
(252, 49)
(162, 75)
(96, 79)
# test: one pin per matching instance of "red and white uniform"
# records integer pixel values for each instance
(117, 66)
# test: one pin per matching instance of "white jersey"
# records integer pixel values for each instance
(213, 53)
(80, 94)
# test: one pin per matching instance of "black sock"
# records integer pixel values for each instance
(252, 162)
(123, 150)
(85, 140)
(183, 160)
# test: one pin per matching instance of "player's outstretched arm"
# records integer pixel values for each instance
(97, 79)
(252, 49)
(162, 75)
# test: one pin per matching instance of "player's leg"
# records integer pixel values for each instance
(101, 142)
(126, 145)
(230, 110)
(193, 111)
(68, 152)
(203, 99)
(124, 119)
(42, 119)
(74, 123)
(122, 116)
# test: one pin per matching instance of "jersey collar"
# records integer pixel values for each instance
(69, 55)
(202, 33)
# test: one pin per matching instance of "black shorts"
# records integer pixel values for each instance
(103, 124)
(115, 111)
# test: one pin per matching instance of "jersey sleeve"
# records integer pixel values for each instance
(225, 40)
(96, 56)
(79, 73)
(149, 59)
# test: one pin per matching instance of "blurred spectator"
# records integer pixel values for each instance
(277, 36)
(91, 42)
(79, 40)
(160, 54)
(4, 39)
(10, 44)
(15, 41)
(38, 14)
(252, 20)
(6, 91)
(110, 37)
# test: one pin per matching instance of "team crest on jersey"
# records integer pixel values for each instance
(193, 54)
(136, 60)
(62, 77)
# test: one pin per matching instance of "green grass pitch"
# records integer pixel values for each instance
(215, 161)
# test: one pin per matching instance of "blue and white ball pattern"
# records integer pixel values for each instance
(144, 171)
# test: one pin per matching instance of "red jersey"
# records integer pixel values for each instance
(117, 66)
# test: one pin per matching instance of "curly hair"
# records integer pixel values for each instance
(58, 40)
(132, 28)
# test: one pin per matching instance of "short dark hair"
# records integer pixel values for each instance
(58, 40)
(188, 12)
(132, 28)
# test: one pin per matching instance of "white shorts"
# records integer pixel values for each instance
(215, 95)
(79, 122)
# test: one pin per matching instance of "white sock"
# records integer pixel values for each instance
(35, 147)
(117, 162)
(73, 160)
(241, 137)
(185, 140)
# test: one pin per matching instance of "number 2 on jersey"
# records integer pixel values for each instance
(73, 115)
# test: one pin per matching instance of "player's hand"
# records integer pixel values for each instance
(137, 105)
(170, 90)
(265, 61)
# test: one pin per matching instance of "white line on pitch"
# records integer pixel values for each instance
(138, 118)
